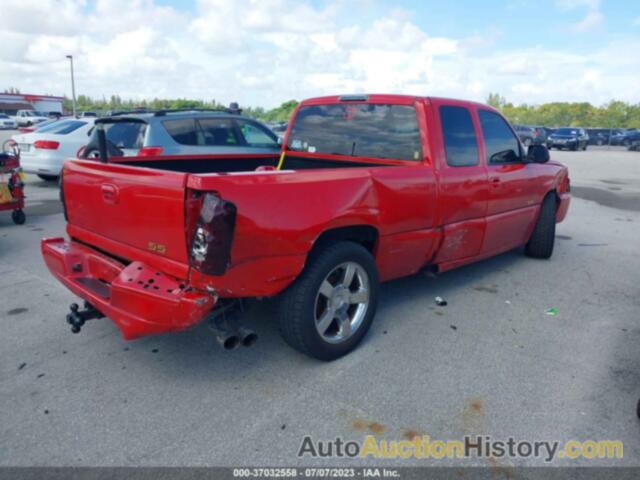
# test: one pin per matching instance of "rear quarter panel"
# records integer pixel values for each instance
(281, 214)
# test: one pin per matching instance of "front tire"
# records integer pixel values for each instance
(540, 244)
(328, 310)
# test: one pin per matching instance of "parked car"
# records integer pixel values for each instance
(598, 136)
(619, 137)
(633, 139)
(7, 123)
(572, 138)
(362, 192)
(530, 135)
(43, 151)
(184, 132)
(26, 118)
(627, 138)
(87, 114)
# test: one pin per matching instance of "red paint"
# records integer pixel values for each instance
(424, 212)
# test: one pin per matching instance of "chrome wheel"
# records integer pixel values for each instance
(342, 302)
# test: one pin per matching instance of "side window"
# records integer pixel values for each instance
(218, 132)
(460, 144)
(500, 144)
(256, 136)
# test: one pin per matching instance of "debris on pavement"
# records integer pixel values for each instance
(553, 311)
(441, 302)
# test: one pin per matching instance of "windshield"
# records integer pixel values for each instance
(357, 130)
(62, 127)
(2, 115)
(566, 131)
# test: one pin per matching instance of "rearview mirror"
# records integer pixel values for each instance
(537, 154)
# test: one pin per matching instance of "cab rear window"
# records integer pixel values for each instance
(357, 130)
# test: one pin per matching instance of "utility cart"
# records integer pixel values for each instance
(12, 185)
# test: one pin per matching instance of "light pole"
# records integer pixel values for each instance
(73, 85)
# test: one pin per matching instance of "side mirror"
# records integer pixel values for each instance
(537, 154)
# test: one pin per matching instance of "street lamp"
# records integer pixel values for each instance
(73, 85)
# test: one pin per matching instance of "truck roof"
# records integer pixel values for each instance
(383, 98)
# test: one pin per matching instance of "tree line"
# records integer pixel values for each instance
(115, 102)
(614, 114)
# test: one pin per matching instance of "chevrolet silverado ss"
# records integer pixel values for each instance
(366, 189)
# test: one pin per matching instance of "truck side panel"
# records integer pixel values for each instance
(399, 201)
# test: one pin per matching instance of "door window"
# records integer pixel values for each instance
(501, 145)
(460, 144)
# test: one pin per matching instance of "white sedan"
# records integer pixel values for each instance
(7, 122)
(43, 151)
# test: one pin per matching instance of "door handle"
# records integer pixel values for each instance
(495, 180)
(109, 193)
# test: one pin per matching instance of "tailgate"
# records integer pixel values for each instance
(117, 207)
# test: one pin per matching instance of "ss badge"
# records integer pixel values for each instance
(157, 247)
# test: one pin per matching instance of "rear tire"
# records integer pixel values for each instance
(48, 178)
(540, 244)
(322, 299)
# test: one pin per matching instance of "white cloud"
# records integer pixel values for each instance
(590, 21)
(592, 18)
(262, 52)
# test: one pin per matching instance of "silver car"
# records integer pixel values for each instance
(183, 133)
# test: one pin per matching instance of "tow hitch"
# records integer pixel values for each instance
(77, 318)
(225, 324)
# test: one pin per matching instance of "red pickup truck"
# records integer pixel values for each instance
(367, 188)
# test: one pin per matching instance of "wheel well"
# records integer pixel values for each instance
(364, 235)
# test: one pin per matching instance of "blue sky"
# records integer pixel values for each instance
(262, 52)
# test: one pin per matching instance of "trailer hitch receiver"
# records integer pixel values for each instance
(77, 318)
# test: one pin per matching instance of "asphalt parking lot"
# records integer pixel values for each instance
(491, 362)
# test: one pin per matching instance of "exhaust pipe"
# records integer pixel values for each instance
(228, 341)
(247, 337)
(226, 337)
(223, 320)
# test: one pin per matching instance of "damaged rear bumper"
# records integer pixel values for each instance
(139, 299)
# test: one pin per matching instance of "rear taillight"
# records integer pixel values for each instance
(46, 144)
(149, 151)
(210, 242)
